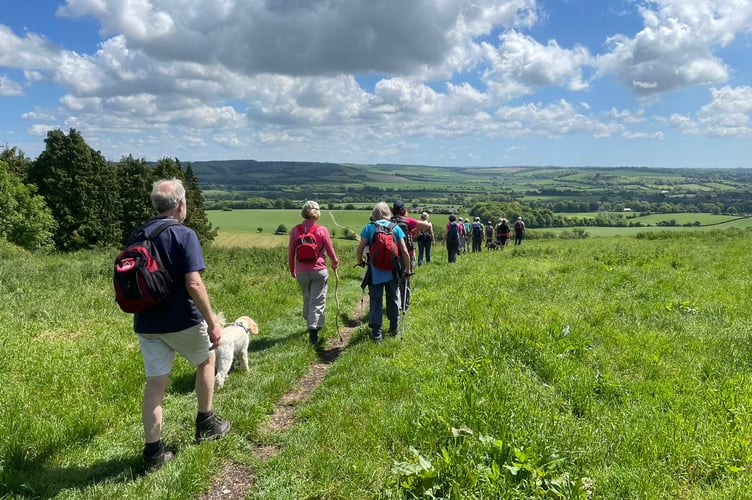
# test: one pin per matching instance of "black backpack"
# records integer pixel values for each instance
(454, 232)
(140, 279)
(477, 230)
(402, 223)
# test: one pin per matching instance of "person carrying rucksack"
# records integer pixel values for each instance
(306, 258)
(466, 227)
(388, 261)
(425, 240)
(452, 238)
(409, 226)
(489, 234)
(477, 232)
(183, 322)
(519, 231)
(503, 233)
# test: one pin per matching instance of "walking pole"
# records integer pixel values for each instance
(403, 306)
(363, 284)
(336, 301)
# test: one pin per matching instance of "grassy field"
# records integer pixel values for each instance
(607, 368)
(240, 227)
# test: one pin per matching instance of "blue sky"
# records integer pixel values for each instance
(663, 83)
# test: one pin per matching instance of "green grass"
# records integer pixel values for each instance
(618, 366)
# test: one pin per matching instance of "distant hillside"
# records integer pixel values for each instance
(697, 190)
(243, 173)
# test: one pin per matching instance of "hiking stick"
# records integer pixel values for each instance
(336, 301)
(363, 284)
(403, 306)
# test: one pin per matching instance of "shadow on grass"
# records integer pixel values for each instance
(185, 383)
(38, 479)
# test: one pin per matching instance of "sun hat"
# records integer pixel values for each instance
(424, 216)
(477, 219)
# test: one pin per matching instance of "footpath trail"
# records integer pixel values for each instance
(235, 481)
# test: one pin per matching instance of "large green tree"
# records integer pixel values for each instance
(134, 178)
(80, 188)
(17, 162)
(167, 168)
(25, 219)
(196, 218)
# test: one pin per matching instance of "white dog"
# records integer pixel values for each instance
(234, 343)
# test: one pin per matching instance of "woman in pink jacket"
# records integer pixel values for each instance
(306, 259)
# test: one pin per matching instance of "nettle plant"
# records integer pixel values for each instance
(479, 465)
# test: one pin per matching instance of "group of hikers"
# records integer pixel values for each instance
(173, 312)
(387, 252)
(462, 235)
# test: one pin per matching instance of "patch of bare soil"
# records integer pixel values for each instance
(234, 481)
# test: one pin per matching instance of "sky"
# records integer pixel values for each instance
(648, 83)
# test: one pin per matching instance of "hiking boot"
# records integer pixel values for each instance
(154, 462)
(313, 336)
(212, 427)
(377, 337)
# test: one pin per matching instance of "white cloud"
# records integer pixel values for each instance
(9, 88)
(521, 58)
(675, 47)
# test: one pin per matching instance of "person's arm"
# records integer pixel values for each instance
(404, 255)
(329, 248)
(291, 252)
(359, 251)
(196, 289)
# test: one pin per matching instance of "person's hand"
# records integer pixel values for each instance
(215, 336)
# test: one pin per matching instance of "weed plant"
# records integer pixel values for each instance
(602, 367)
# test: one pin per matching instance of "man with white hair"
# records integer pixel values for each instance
(182, 323)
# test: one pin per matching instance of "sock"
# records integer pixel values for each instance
(152, 449)
(203, 416)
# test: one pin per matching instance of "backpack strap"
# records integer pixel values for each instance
(302, 230)
(153, 234)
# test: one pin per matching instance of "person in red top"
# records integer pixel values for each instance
(312, 275)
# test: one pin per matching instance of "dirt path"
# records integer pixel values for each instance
(234, 481)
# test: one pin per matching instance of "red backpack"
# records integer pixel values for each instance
(306, 246)
(140, 279)
(383, 247)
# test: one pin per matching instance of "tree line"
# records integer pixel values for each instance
(70, 198)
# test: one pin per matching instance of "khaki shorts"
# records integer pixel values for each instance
(158, 349)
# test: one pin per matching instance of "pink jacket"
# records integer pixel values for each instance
(324, 245)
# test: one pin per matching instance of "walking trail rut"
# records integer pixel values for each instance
(234, 481)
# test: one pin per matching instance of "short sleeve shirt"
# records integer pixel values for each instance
(180, 251)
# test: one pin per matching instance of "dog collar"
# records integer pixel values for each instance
(241, 325)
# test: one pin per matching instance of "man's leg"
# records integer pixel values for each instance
(151, 407)
(205, 384)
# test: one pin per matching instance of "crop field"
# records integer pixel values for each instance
(240, 227)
